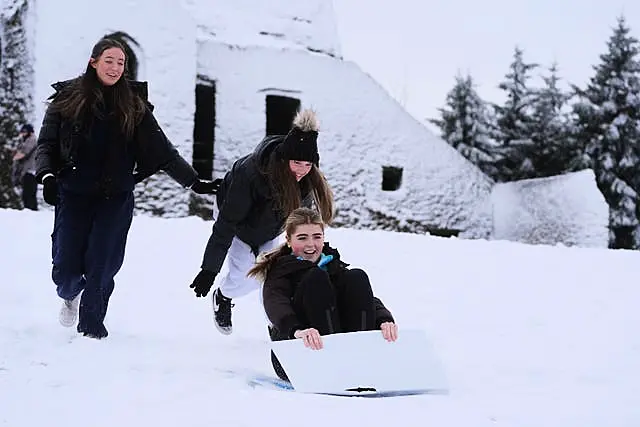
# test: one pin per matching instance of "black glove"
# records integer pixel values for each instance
(203, 282)
(50, 190)
(202, 186)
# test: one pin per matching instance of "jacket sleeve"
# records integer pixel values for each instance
(156, 152)
(180, 170)
(48, 145)
(382, 313)
(276, 298)
(236, 206)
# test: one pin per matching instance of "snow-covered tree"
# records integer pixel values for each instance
(555, 149)
(514, 121)
(465, 124)
(16, 80)
(609, 120)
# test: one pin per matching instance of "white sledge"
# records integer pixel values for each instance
(364, 364)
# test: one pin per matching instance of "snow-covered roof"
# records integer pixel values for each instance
(306, 25)
(362, 130)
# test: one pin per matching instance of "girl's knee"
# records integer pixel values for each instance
(356, 287)
(357, 275)
(356, 278)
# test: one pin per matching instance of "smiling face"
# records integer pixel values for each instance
(299, 168)
(109, 65)
(307, 241)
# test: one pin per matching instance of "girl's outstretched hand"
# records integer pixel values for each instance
(311, 338)
(389, 331)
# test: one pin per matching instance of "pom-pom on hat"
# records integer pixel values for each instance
(301, 143)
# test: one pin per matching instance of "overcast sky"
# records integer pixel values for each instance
(415, 47)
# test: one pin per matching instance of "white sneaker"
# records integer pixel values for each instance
(69, 312)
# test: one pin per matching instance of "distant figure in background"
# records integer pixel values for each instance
(98, 128)
(24, 167)
(254, 199)
(308, 291)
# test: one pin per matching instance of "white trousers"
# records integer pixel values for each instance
(239, 260)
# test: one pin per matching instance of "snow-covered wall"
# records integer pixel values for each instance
(252, 49)
(566, 209)
(292, 24)
(362, 129)
(168, 62)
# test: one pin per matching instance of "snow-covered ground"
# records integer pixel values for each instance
(528, 335)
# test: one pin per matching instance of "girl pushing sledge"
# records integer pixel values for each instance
(253, 200)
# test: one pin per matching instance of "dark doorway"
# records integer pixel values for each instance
(391, 178)
(281, 110)
(132, 59)
(204, 125)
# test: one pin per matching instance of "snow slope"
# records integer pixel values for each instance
(529, 336)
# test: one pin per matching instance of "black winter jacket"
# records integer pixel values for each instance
(280, 286)
(150, 150)
(247, 207)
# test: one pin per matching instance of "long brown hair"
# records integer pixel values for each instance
(298, 217)
(287, 189)
(82, 99)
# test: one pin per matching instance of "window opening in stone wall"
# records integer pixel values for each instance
(391, 178)
(204, 125)
(281, 110)
(443, 232)
(129, 44)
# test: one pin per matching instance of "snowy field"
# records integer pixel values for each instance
(530, 336)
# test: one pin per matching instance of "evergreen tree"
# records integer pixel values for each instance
(465, 124)
(608, 118)
(554, 150)
(514, 122)
(16, 81)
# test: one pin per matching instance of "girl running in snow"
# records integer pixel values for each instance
(97, 129)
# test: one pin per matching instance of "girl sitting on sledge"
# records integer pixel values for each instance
(309, 292)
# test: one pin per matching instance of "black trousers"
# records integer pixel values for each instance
(346, 307)
(88, 246)
(29, 192)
